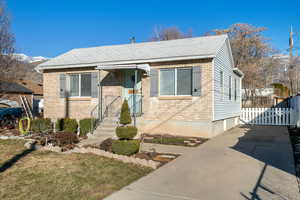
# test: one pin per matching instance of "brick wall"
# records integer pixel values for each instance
(56, 107)
(180, 108)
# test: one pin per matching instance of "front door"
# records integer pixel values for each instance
(128, 90)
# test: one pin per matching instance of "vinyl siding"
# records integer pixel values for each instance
(223, 106)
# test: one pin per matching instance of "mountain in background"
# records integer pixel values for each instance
(24, 58)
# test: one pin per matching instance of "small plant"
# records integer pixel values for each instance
(125, 117)
(125, 147)
(67, 125)
(86, 125)
(126, 132)
(41, 125)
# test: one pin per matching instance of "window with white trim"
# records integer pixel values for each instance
(175, 81)
(229, 88)
(80, 85)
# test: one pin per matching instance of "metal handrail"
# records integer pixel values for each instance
(98, 121)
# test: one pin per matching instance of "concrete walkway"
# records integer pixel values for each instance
(245, 163)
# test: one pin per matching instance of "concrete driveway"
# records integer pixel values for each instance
(244, 163)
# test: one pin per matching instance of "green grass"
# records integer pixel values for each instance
(48, 175)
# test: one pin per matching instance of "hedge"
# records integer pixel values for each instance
(67, 125)
(85, 125)
(126, 132)
(41, 125)
(125, 147)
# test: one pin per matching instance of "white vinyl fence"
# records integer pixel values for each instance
(268, 116)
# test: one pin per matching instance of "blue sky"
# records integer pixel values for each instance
(51, 27)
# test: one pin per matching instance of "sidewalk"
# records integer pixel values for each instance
(254, 163)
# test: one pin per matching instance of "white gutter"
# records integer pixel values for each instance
(238, 72)
(43, 66)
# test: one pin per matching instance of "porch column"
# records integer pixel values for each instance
(134, 97)
(99, 97)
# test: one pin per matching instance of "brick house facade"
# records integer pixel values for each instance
(175, 94)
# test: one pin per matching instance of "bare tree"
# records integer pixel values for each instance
(7, 41)
(250, 50)
(169, 33)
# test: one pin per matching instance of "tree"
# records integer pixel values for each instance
(169, 33)
(250, 50)
(7, 41)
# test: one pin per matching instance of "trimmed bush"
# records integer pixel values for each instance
(70, 125)
(125, 147)
(59, 125)
(85, 125)
(125, 117)
(67, 125)
(126, 132)
(41, 124)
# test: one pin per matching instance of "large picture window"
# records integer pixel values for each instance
(176, 81)
(80, 85)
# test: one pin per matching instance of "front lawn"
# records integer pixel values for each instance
(47, 175)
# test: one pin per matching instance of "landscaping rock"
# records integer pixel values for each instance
(30, 144)
(52, 148)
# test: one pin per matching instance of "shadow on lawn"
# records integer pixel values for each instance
(9, 163)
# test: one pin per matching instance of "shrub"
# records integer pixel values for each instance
(70, 125)
(65, 138)
(41, 124)
(125, 147)
(85, 125)
(125, 117)
(59, 125)
(126, 132)
(67, 125)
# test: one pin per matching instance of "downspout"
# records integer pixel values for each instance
(134, 96)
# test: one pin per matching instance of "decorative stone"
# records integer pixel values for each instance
(30, 144)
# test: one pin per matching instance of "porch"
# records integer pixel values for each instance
(116, 84)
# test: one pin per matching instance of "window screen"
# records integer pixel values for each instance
(167, 82)
(74, 85)
(184, 81)
(86, 85)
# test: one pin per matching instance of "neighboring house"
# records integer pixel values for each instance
(10, 93)
(182, 87)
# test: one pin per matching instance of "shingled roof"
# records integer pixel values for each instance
(11, 87)
(180, 49)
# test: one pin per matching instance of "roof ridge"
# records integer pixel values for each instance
(151, 42)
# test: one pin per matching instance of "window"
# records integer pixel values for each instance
(235, 89)
(176, 81)
(229, 87)
(80, 85)
(221, 84)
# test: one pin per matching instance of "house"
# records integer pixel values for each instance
(10, 93)
(183, 87)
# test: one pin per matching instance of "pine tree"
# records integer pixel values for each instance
(125, 117)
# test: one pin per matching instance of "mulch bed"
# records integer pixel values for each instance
(173, 140)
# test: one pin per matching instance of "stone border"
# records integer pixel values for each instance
(4, 137)
(126, 159)
(30, 144)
